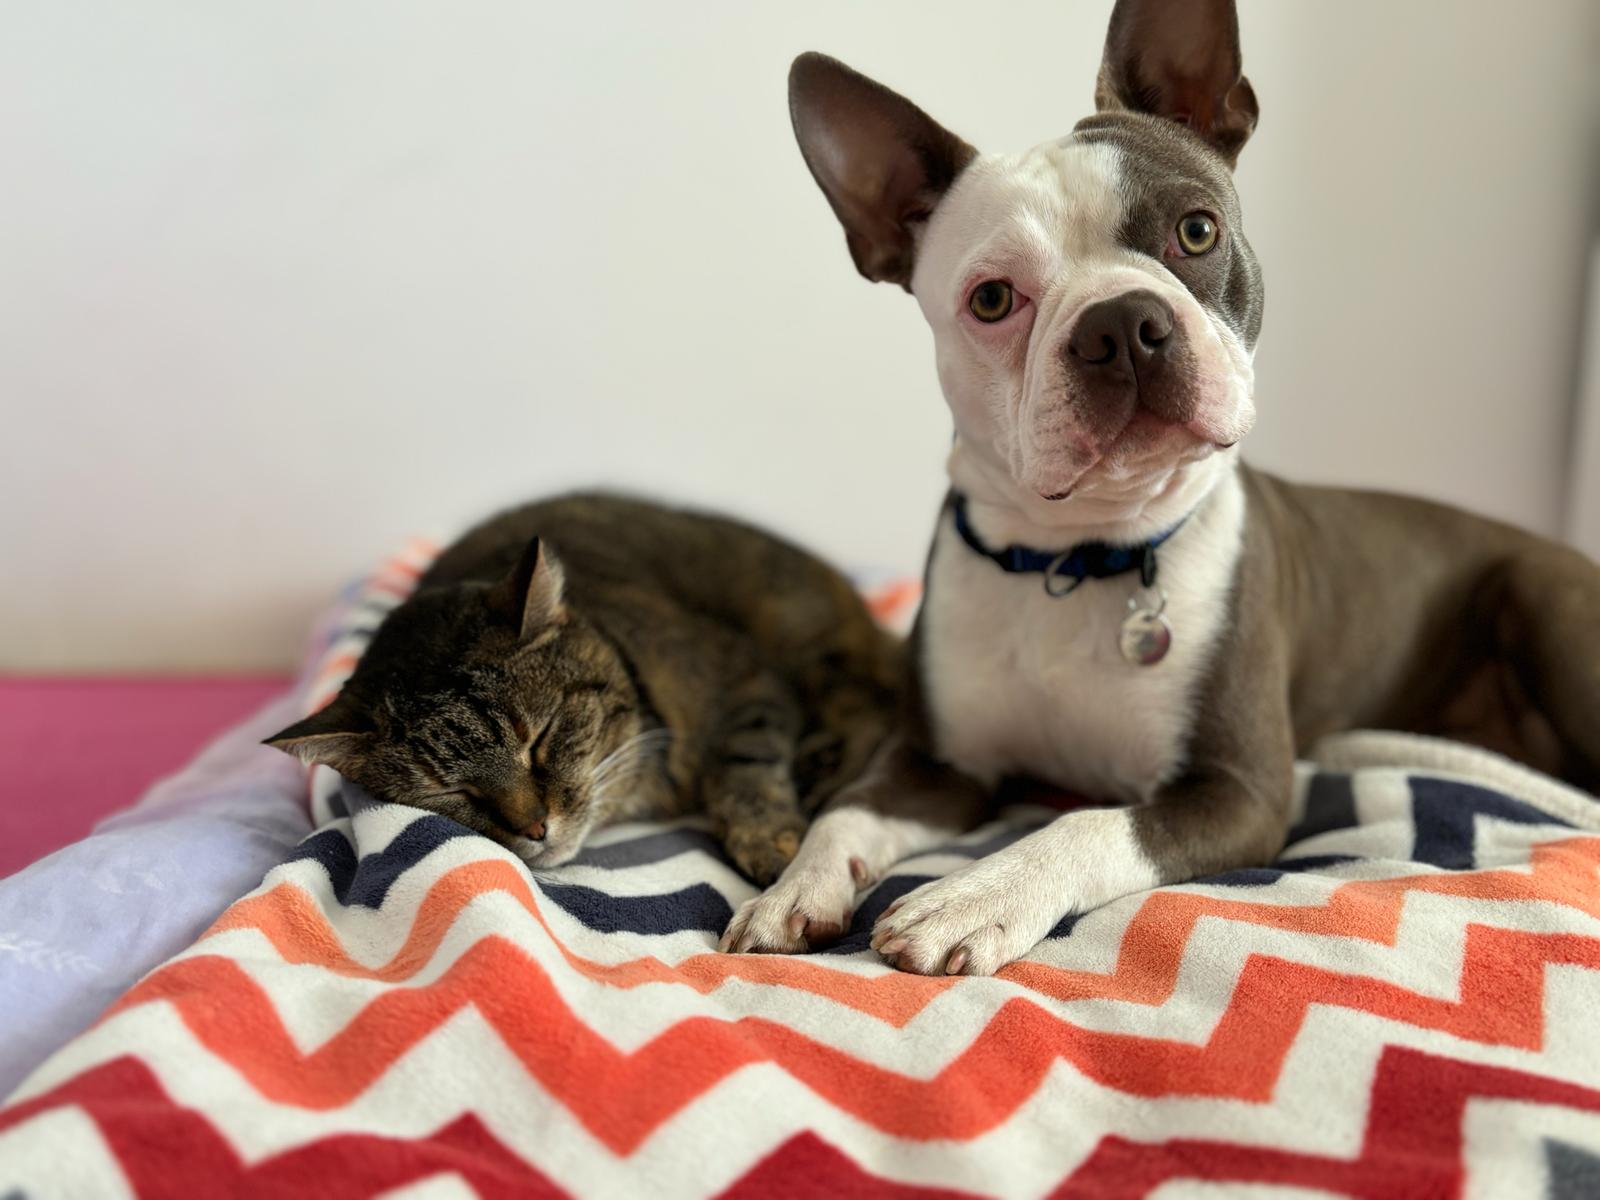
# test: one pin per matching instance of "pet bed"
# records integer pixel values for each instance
(1403, 1005)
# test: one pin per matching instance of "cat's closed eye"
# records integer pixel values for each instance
(539, 749)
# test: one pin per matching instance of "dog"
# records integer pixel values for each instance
(1115, 604)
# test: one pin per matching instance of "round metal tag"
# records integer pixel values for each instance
(1146, 637)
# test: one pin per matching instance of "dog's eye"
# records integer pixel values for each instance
(1197, 233)
(990, 301)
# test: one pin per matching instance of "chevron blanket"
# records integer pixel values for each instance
(1406, 1005)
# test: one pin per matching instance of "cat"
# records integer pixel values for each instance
(593, 658)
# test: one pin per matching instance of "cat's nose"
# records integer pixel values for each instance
(535, 830)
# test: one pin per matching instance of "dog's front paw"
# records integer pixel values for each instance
(972, 922)
(808, 907)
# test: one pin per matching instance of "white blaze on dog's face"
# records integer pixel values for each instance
(1038, 414)
(1093, 301)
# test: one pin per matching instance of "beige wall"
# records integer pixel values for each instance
(285, 282)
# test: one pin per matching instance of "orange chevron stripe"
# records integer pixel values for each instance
(1153, 944)
(1151, 952)
(424, 551)
(340, 664)
(623, 1097)
(889, 601)
(298, 929)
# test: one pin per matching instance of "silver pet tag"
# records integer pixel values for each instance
(1146, 634)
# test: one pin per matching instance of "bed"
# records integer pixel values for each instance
(341, 998)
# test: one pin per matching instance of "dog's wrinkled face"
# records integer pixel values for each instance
(1093, 306)
(1093, 301)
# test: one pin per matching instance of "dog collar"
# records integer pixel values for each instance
(1086, 560)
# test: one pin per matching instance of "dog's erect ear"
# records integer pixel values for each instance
(882, 162)
(337, 735)
(531, 596)
(1180, 59)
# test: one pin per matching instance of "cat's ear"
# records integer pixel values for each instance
(338, 736)
(531, 596)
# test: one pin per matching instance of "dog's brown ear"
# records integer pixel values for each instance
(882, 162)
(1180, 59)
(338, 735)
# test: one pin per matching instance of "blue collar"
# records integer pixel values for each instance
(1086, 560)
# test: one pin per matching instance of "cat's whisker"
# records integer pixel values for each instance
(620, 776)
(617, 788)
(629, 758)
(619, 784)
(621, 770)
(646, 740)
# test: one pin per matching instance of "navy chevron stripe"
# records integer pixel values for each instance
(870, 907)
(333, 850)
(366, 881)
(1445, 810)
(1444, 813)
(1260, 876)
(1574, 1171)
(669, 843)
(886, 893)
(1330, 805)
(651, 848)
(410, 846)
(698, 907)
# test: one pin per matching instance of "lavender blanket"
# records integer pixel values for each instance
(80, 927)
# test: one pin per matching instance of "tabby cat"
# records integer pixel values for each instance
(591, 658)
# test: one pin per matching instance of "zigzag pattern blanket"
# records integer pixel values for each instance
(1404, 1006)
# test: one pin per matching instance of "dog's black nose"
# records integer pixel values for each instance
(1120, 335)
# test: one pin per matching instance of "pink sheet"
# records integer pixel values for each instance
(73, 750)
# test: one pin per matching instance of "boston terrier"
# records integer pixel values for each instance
(1115, 604)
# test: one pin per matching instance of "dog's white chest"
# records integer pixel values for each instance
(1022, 683)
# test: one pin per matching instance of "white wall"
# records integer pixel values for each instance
(283, 282)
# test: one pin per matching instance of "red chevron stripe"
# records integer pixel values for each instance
(168, 1150)
(623, 1097)
(1411, 1150)
(806, 1167)
(1146, 972)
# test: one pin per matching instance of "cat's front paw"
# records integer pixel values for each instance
(762, 852)
(805, 909)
